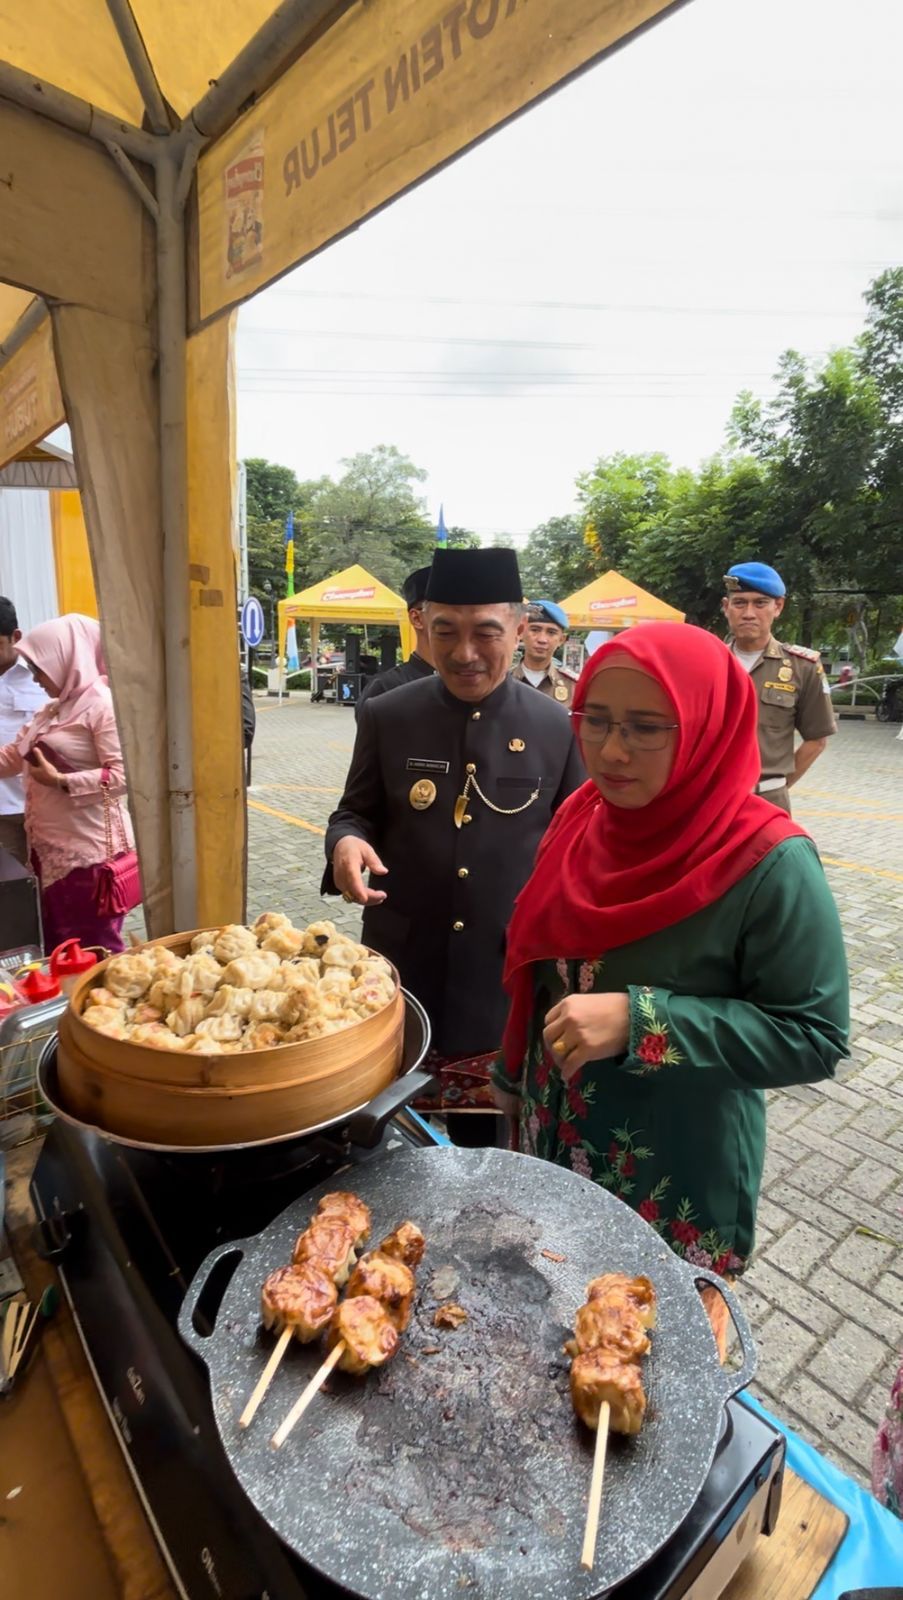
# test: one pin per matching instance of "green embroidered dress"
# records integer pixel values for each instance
(749, 994)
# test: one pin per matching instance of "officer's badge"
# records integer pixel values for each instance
(785, 674)
(560, 692)
(422, 794)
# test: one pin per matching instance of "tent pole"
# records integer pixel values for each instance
(24, 89)
(255, 67)
(31, 318)
(172, 323)
(140, 63)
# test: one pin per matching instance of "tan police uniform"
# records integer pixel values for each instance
(793, 697)
(556, 684)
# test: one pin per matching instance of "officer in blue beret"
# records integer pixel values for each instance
(547, 626)
(791, 688)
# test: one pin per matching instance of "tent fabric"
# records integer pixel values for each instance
(215, 684)
(13, 304)
(352, 595)
(107, 376)
(611, 601)
(74, 45)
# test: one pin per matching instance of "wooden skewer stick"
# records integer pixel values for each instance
(304, 1399)
(266, 1378)
(14, 1311)
(24, 1334)
(588, 1555)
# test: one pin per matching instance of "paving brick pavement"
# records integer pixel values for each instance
(826, 1300)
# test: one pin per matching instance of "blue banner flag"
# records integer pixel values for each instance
(441, 530)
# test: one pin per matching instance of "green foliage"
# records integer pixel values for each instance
(811, 482)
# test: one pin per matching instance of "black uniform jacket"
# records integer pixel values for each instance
(393, 678)
(451, 890)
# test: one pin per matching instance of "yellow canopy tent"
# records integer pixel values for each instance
(187, 155)
(353, 596)
(611, 601)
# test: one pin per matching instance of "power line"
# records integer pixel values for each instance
(606, 306)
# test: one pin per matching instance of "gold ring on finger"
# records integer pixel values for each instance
(560, 1048)
(349, 899)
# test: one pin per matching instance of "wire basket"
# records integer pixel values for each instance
(23, 1034)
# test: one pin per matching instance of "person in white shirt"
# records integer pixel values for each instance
(20, 699)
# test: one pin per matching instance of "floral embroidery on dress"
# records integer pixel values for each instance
(653, 1049)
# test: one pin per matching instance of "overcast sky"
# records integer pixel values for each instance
(605, 273)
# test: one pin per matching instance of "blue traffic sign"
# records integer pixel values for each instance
(252, 624)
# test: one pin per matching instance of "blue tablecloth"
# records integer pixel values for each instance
(871, 1552)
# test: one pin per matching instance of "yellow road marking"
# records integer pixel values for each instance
(854, 866)
(285, 816)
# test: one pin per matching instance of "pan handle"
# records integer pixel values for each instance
(199, 1309)
(731, 1382)
(366, 1127)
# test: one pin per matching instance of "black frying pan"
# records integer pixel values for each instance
(465, 1473)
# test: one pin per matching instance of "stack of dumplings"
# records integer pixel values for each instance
(241, 989)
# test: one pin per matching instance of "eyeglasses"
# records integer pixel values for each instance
(593, 728)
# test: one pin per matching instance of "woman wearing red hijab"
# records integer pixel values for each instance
(676, 952)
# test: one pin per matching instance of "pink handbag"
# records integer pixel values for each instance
(119, 879)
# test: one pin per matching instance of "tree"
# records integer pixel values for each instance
(272, 491)
(552, 560)
(372, 515)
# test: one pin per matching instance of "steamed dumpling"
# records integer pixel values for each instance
(234, 941)
(205, 972)
(230, 1002)
(342, 953)
(262, 1036)
(187, 1015)
(266, 1005)
(298, 974)
(268, 922)
(220, 1028)
(257, 971)
(157, 1035)
(317, 937)
(285, 941)
(337, 980)
(130, 976)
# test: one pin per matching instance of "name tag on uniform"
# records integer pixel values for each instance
(788, 688)
(415, 764)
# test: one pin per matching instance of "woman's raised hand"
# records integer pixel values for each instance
(587, 1027)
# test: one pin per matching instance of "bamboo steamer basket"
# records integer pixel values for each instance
(164, 1096)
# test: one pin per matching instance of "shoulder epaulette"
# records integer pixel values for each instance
(801, 650)
(565, 672)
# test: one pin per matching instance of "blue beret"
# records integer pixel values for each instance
(537, 610)
(755, 575)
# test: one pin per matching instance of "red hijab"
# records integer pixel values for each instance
(606, 875)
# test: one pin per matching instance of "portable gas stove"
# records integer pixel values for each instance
(129, 1228)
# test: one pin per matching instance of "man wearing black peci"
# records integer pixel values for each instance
(452, 784)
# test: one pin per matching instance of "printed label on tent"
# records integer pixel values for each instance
(31, 404)
(329, 595)
(387, 94)
(613, 605)
(243, 186)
